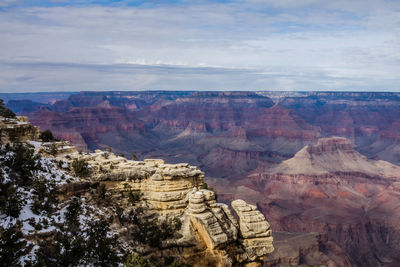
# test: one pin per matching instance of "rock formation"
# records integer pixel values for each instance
(213, 223)
(173, 190)
(334, 155)
(255, 232)
(331, 189)
(259, 149)
(19, 129)
(208, 233)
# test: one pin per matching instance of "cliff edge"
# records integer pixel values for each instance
(152, 210)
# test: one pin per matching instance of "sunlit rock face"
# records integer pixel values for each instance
(255, 232)
(207, 235)
(173, 191)
(17, 130)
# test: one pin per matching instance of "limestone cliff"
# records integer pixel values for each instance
(157, 210)
(174, 191)
(18, 129)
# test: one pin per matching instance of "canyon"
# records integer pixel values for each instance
(323, 167)
(332, 189)
(148, 211)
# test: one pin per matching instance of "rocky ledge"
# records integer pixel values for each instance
(208, 233)
(17, 129)
(178, 191)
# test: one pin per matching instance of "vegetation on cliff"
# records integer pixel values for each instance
(59, 207)
(66, 234)
(5, 112)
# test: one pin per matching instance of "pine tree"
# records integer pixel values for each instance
(12, 245)
(5, 112)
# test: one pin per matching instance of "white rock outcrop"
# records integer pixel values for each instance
(254, 231)
(171, 191)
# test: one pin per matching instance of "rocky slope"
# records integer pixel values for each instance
(332, 189)
(101, 209)
(332, 155)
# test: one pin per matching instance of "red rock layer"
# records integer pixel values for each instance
(356, 210)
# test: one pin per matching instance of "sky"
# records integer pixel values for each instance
(299, 45)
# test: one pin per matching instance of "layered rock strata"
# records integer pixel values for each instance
(332, 189)
(163, 186)
(172, 191)
(214, 223)
(255, 231)
(18, 129)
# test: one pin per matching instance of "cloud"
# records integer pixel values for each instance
(304, 44)
(46, 76)
(7, 3)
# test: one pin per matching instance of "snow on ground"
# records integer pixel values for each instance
(55, 171)
(36, 144)
(30, 256)
(51, 172)
(6, 221)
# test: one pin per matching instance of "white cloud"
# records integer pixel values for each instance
(305, 44)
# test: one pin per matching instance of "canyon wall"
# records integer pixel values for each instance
(274, 150)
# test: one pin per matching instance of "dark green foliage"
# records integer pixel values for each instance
(136, 260)
(68, 247)
(5, 112)
(53, 149)
(60, 164)
(119, 212)
(122, 155)
(10, 199)
(81, 167)
(204, 186)
(133, 196)
(151, 232)
(44, 195)
(46, 136)
(100, 193)
(12, 245)
(134, 156)
(22, 163)
(175, 263)
(73, 211)
(37, 226)
(100, 248)
(65, 250)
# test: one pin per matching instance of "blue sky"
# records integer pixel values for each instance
(60, 45)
